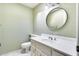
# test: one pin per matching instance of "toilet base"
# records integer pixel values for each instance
(24, 50)
(25, 47)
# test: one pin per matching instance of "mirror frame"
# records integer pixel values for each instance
(52, 11)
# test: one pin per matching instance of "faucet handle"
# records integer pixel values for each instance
(54, 38)
(50, 38)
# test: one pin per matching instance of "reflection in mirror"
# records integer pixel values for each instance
(56, 18)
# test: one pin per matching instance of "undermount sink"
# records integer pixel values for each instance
(48, 37)
(58, 39)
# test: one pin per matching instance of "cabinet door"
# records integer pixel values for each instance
(44, 49)
(55, 53)
(33, 51)
(39, 52)
(33, 48)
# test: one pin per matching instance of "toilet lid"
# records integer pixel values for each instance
(26, 44)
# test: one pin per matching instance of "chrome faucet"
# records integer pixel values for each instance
(52, 38)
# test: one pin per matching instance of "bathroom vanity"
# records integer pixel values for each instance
(39, 49)
(58, 47)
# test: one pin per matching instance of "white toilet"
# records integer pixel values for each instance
(25, 47)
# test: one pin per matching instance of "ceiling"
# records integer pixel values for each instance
(31, 5)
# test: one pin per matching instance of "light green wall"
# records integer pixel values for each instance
(68, 30)
(16, 23)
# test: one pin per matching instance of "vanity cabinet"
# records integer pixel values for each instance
(39, 49)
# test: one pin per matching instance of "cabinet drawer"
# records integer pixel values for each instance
(44, 49)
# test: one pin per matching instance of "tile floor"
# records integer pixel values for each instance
(17, 53)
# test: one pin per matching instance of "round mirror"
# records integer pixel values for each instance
(56, 18)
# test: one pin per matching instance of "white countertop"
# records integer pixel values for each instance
(67, 46)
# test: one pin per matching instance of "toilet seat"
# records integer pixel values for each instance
(26, 44)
